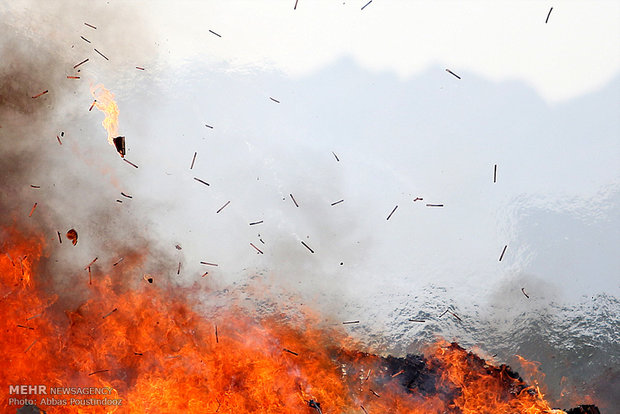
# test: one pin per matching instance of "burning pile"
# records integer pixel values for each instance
(152, 351)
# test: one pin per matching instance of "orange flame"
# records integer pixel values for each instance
(104, 101)
(159, 355)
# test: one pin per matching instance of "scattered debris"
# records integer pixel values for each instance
(201, 181)
(148, 278)
(91, 106)
(178, 247)
(398, 373)
(388, 217)
(217, 339)
(30, 346)
(548, 14)
(59, 237)
(81, 63)
(418, 199)
(85, 39)
(257, 249)
(109, 313)
(102, 55)
(526, 295)
(193, 160)
(93, 261)
(139, 67)
(119, 143)
(138, 353)
(361, 406)
(215, 33)
(434, 205)
(208, 126)
(363, 7)
(503, 251)
(73, 236)
(294, 201)
(307, 247)
(495, 173)
(90, 277)
(126, 195)
(130, 163)
(209, 264)
(290, 352)
(456, 316)
(452, 73)
(444, 312)
(256, 222)
(90, 25)
(58, 138)
(73, 77)
(98, 372)
(179, 268)
(337, 202)
(275, 100)
(39, 94)
(222, 208)
(337, 159)
(417, 320)
(35, 316)
(350, 322)
(119, 260)
(25, 327)
(33, 208)
(295, 7)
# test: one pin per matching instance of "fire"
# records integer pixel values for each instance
(157, 354)
(104, 101)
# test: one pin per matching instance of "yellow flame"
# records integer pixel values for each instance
(104, 101)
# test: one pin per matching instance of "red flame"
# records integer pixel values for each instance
(159, 355)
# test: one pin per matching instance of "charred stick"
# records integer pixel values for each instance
(452, 73)
(109, 313)
(90, 25)
(495, 173)
(388, 217)
(201, 181)
(35, 316)
(217, 339)
(81, 63)
(205, 273)
(398, 373)
(503, 251)
(257, 249)
(59, 237)
(295, 7)
(337, 202)
(456, 316)
(363, 7)
(417, 320)
(90, 277)
(26, 327)
(126, 195)
(30, 346)
(418, 199)
(138, 353)
(275, 100)
(193, 160)
(91, 105)
(214, 33)
(73, 77)
(376, 395)
(130, 163)
(58, 138)
(222, 208)
(93, 261)
(104, 56)
(361, 406)
(548, 14)
(39, 94)
(85, 39)
(350, 322)
(119, 260)
(139, 68)
(444, 312)
(526, 295)
(337, 159)
(33, 208)
(434, 205)
(179, 268)
(208, 264)
(256, 222)
(98, 372)
(208, 126)
(293, 198)
(307, 247)
(290, 352)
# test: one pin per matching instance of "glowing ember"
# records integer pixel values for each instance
(150, 349)
(104, 101)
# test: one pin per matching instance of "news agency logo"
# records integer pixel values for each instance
(43, 390)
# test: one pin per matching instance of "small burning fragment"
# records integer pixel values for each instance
(222, 208)
(73, 77)
(102, 55)
(25, 327)
(90, 25)
(452, 73)
(526, 295)
(104, 101)
(39, 94)
(93, 261)
(148, 278)
(307, 247)
(503, 251)
(81, 63)
(33, 208)
(119, 143)
(375, 393)
(204, 274)
(119, 260)
(398, 373)
(388, 217)
(92, 105)
(217, 339)
(58, 138)
(31, 345)
(361, 406)
(73, 236)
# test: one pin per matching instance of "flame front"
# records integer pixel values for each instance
(159, 355)
(104, 101)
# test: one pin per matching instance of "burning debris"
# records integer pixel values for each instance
(139, 68)
(73, 236)
(130, 163)
(32, 210)
(40, 94)
(119, 143)
(148, 278)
